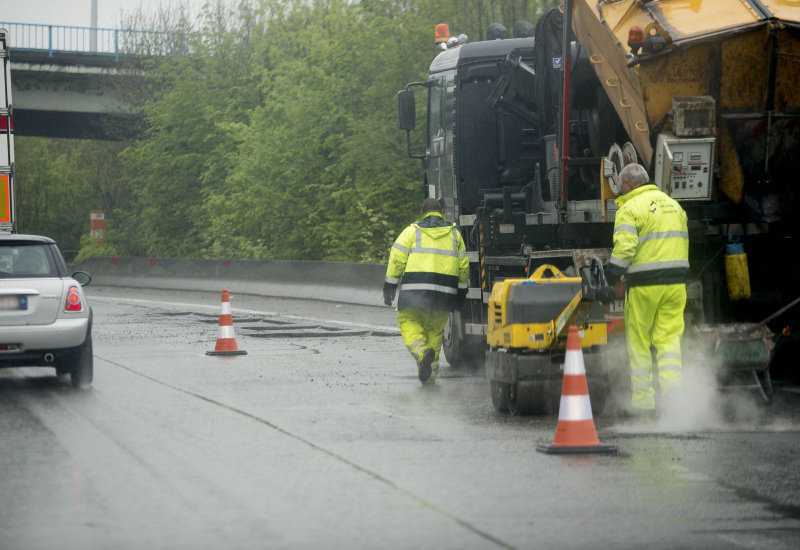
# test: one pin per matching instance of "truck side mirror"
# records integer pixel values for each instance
(406, 110)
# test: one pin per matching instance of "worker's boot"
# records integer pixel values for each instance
(425, 363)
(637, 414)
(434, 373)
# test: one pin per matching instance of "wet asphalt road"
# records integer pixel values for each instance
(322, 437)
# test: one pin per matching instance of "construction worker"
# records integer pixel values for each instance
(431, 258)
(651, 254)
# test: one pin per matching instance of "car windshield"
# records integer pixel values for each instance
(26, 261)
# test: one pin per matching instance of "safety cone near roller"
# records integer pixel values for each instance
(226, 338)
(575, 433)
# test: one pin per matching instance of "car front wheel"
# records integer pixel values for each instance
(81, 364)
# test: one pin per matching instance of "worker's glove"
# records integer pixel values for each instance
(388, 293)
(461, 298)
(614, 274)
(619, 290)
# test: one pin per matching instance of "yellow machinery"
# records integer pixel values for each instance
(737, 56)
(529, 321)
(707, 94)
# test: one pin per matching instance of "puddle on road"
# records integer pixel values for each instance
(236, 320)
(308, 334)
(640, 431)
(271, 328)
(271, 352)
(286, 326)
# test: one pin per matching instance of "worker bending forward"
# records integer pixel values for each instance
(651, 252)
(431, 258)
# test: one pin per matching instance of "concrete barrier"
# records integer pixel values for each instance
(330, 281)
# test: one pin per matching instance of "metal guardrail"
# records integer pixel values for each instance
(360, 284)
(56, 39)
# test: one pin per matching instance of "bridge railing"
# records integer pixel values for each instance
(55, 39)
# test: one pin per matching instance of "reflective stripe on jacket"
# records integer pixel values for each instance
(431, 258)
(651, 239)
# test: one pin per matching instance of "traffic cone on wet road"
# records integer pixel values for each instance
(226, 338)
(575, 433)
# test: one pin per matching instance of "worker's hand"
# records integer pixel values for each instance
(619, 289)
(389, 290)
(461, 298)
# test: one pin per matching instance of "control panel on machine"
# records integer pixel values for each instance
(684, 166)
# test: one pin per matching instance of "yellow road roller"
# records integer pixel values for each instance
(529, 321)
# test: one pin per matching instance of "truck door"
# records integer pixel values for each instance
(436, 150)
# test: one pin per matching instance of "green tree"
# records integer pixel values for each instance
(60, 181)
(184, 156)
(321, 166)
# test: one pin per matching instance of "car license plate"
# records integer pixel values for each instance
(13, 302)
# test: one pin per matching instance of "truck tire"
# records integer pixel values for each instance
(459, 351)
(81, 364)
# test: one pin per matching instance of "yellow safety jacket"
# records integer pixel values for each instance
(651, 239)
(431, 258)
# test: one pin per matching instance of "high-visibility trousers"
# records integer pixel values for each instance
(654, 316)
(422, 329)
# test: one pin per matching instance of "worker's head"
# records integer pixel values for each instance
(431, 205)
(523, 29)
(632, 176)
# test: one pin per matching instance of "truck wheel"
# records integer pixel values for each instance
(81, 364)
(460, 351)
(451, 341)
(499, 396)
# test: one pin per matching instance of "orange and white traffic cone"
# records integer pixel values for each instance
(575, 432)
(226, 338)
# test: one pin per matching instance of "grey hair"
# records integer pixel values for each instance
(634, 173)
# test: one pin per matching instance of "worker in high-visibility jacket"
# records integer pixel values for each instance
(429, 263)
(651, 255)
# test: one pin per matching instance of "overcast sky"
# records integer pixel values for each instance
(76, 13)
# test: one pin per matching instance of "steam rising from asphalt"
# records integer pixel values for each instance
(697, 406)
(702, 404)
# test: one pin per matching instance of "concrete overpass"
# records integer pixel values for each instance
(65, 79)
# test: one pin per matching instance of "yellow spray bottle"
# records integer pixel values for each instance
(736, 270)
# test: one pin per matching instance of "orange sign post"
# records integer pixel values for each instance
(5, 199)
(98, 226)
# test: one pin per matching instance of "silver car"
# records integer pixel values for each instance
(45, 319)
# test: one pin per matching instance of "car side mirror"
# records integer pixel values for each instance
(82, 277)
